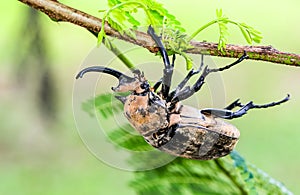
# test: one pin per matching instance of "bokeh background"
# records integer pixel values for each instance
(40, 149)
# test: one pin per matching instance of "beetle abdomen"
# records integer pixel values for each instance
(197, 143)
(196, 136)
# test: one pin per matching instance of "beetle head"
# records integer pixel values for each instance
(137, 83)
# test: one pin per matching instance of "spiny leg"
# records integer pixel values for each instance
(182, 84)
(168, 70)
(189, 91)
(250, 105)
(157, 84)
(234, 104)
(228, 114)
(185, 80)
(272, 103)
(243, 57)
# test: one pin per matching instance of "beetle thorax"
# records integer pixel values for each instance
(146, 116)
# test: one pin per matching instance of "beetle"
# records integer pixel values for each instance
(168, 125)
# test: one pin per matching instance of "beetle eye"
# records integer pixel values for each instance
(145, 85)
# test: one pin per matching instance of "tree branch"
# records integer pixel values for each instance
(62, 13)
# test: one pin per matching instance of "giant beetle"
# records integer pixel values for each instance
(178, 129)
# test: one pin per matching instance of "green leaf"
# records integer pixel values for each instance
(155, 13)
(253, 34)
(124, 139)
(246, 34)
(177, 42)
(188, 60)
(219, 13)
(244, 171)
(249, 33)
(105, 105)
(116, 19)
(101, 35)
(107, 44)
(183, 176)
(135, 23)
(256, 39)
(223, 30)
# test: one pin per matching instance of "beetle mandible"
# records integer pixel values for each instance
(178, 129)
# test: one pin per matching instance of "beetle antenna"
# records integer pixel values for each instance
(110, 71)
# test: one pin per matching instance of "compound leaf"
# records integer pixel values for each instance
(123, 137)
(249, 33)
(105, 105)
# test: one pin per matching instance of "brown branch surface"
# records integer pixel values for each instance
(62, 13)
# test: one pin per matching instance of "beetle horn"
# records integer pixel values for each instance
(126, 83)
(110, 71)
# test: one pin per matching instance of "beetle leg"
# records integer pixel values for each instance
(173, 60)
(182, 84)
(187, 92)
(234, 104)
(228, 114)
(186, 79)
(157, 84)
(272, 103)
(201, 63)
(243, 57)
(238, 104)
(168, 70)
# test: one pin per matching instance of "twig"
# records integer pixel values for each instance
(62, 13)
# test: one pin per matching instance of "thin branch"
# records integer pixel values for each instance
(62, 13)
(264, 53)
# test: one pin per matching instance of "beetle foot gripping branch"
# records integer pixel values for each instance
(177, 129)
(227, 113)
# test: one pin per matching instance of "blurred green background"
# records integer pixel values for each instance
(40, 149)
